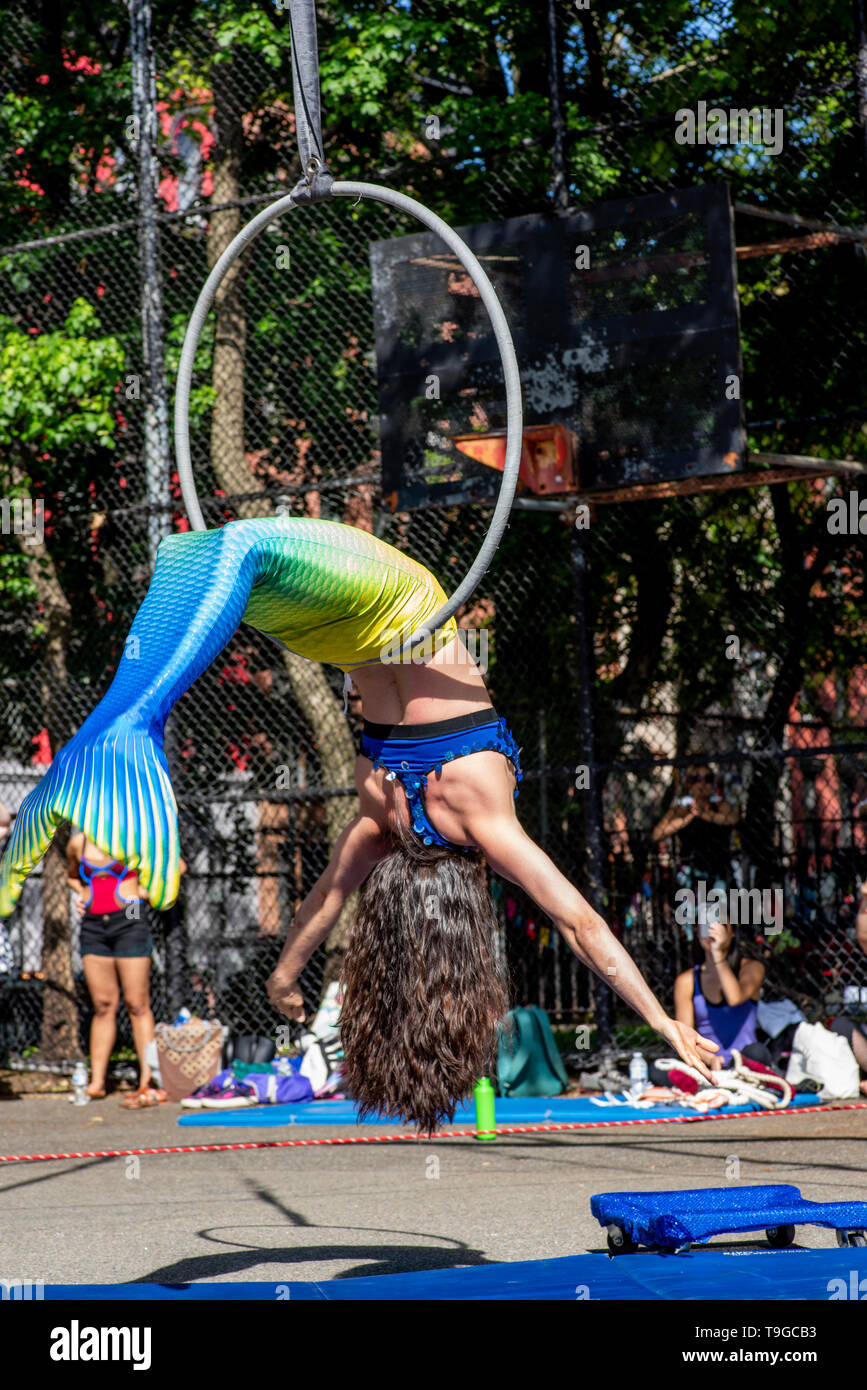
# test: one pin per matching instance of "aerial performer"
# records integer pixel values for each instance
(437, 778)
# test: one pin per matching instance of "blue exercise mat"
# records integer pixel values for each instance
(734, 1276)
(673, 1219)
(509, 1111)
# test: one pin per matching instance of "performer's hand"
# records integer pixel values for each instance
(687, 1042)
(286, 997)
(80, 905)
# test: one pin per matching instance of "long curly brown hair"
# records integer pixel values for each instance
(422, 991)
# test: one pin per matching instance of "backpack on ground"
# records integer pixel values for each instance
(528, 1062)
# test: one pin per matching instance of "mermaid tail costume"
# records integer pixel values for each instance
(326, 591)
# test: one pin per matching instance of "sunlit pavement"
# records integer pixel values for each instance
(325, 1213)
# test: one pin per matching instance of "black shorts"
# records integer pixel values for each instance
(114, 934)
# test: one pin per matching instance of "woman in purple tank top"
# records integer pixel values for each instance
(719, 997)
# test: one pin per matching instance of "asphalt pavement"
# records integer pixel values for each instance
(324, 1213)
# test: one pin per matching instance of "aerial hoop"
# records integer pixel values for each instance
(514, 418)
(316, 185)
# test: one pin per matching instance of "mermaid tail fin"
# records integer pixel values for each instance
(112, 778)
(115, 787)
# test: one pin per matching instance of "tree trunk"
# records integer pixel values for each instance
(60, 1040)
(272, 821)
(336, 759)
(652, 568)
(817, 543)
(230, 339)
(59, 1016)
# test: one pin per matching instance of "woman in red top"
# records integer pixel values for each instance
(116, 950)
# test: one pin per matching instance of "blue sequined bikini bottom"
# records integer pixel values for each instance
(411, 751)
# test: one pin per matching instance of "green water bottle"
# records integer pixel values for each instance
(485, 1121)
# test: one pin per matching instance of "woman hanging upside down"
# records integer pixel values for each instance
(436, 780)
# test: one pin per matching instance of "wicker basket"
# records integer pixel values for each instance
(189, 1055)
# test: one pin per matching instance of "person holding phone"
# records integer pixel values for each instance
(700, 820)
(719, 995)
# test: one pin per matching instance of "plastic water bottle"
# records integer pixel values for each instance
(637, 1075)
(184, 1016)
(79, 1084)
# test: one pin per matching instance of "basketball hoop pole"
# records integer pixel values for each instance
(581, 550)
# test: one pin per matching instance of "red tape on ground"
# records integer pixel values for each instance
(425, 1138)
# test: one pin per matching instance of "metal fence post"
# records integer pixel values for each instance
(581, 555)
(156, 424)
(861, 83)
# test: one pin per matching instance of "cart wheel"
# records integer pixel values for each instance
(851, 1238)
(780, 1237)
(619, 1243)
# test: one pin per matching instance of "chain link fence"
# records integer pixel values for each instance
(725, 624)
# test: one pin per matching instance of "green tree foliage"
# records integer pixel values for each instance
(58, 425)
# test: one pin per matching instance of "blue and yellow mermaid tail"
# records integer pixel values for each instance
(114, 786)
(112, 779)
(324, 590)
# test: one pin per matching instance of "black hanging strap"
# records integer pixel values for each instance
(316, 179)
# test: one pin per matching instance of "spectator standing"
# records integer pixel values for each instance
(116, 949)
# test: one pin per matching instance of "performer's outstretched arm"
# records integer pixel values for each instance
(358, 848)
(512, 854)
